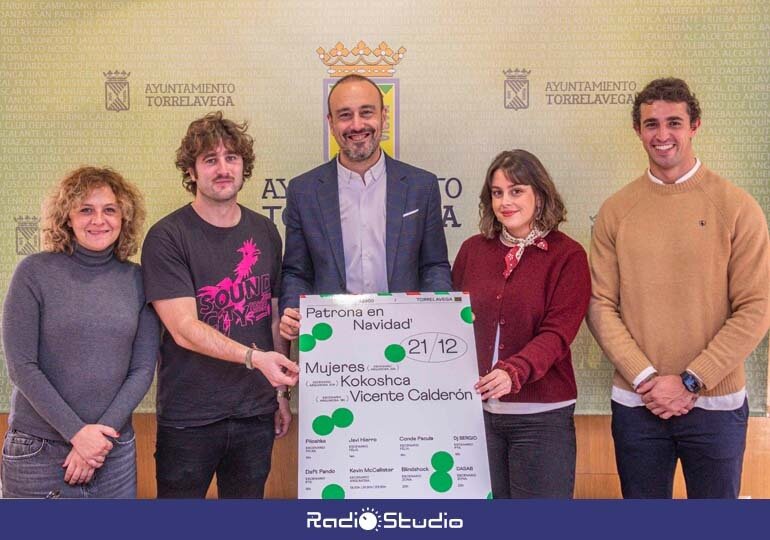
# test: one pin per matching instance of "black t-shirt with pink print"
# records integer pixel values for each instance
(233, 273)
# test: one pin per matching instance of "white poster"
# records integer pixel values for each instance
(387, 406)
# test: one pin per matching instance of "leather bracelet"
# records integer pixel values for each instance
(247, 358)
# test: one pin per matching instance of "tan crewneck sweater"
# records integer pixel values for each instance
(681, 280)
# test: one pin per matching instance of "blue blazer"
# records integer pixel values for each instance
(314, 259)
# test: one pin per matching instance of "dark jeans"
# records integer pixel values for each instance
(238, 450)
(709, 443)
(532, 456)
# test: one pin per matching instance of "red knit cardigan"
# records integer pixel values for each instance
(539, 309)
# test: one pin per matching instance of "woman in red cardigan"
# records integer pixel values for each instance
(529, 286)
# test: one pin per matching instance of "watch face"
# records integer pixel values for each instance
(690, 382)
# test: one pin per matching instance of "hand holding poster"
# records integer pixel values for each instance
(387, 407)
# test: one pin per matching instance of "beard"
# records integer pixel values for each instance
(361, 151)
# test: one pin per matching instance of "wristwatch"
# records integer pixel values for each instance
(283, 393)
(691, 382)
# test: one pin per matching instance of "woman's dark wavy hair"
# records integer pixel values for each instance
(522, 167)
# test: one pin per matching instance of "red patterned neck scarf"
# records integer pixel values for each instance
(535, 238)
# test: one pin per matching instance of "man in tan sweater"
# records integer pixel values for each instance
(680, 264)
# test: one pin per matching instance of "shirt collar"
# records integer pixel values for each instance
(372, 175)
(689, 174)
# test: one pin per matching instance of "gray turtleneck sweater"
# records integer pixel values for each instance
(80, 343)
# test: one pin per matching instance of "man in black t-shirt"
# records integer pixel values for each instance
(212, 272)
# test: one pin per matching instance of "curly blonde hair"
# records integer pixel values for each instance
(58, 236)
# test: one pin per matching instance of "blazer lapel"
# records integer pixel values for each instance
(329, 203)
(397, 189)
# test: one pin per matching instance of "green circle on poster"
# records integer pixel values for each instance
(322, 331)
(442, 461)
(342, 417)
(306, 343)
(441, 482)
(323, 425)
(467, 315)
(395, 353)
(333, 491)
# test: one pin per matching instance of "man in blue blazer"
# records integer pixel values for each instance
(363, 222)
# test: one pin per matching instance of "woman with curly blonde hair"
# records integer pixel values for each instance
(80, 344)
(58, 236)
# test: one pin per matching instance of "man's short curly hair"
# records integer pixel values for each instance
(669, 89)
(203, 135)
(69, 193)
